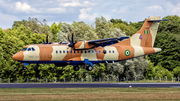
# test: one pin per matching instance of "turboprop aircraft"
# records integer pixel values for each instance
(94, 51)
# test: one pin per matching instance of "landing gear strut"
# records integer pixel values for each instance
(88, 65)
(76, 68)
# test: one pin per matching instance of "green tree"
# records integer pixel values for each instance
(34, 25)
(169, 56)
(83, 31)
(104, 28)
(55, 29)
(176, 71)
(128, 29)
(172, 25)
(157, 71)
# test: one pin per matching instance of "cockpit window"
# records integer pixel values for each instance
(33, 49)
(29, 49)
(24, 49)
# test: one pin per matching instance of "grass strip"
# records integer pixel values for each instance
(89, 94)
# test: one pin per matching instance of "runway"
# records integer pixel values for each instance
(85, 85)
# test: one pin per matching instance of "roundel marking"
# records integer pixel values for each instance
(127, 52)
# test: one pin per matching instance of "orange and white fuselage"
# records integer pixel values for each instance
(141, 43)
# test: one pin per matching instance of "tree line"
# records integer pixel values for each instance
(31, 31)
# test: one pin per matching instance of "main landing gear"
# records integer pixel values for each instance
(88, 67)
(76, 68)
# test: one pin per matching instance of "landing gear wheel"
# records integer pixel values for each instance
(89, 67)
(76, 68)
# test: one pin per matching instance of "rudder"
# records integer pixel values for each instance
(145, 37)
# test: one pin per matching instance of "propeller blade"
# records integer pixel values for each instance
(47, 38)
(68, 38)
(71, 44)
(72, 38)
(43, 39)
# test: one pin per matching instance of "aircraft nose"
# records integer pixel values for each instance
(18, 56)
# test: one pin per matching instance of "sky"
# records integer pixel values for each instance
(84, 10)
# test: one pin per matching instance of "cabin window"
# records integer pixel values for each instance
(104, 51)
(59, 51)
(56, 51)
(64, 51)
(78, 51)
(81, 51)
(96, 51)
(85, 52)
(109, 51)
(92, 51)
(33, 49)
(70, 51)
(89, 51)
(67, 51)
(29, 49)
(24, 49)
(74, 51)
(113, 51)
(99, 51)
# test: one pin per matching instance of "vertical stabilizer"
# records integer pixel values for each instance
(145, 37)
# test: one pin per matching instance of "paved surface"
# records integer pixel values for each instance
(85, 85)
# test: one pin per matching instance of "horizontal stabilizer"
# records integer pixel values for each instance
(155, 20)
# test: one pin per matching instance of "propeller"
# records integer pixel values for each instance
(46, 40)
(72, 40)
(43, 40)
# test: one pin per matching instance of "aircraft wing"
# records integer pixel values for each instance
(106, 42)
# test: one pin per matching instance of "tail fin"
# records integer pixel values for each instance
(145, 37)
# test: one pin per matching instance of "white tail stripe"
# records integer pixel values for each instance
(135, 41)
(138, 51)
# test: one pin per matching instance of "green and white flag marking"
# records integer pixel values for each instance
(145, 31)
